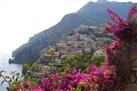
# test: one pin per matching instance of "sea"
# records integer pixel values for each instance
(8, 68)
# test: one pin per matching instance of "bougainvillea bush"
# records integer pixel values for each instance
(114, 72)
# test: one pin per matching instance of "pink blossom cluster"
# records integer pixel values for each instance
(132, 11)
(125, 31)
(92, 80)
(122, 28)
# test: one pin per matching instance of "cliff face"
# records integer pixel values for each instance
(90, 14)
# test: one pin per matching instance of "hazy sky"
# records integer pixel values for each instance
(21, 19)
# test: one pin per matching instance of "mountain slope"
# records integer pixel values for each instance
(96, 12)
(90, 14)
(32, 49)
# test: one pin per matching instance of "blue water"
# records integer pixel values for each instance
(4, 65)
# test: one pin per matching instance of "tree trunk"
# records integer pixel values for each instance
(132, 84)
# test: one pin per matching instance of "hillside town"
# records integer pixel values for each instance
(84, 39)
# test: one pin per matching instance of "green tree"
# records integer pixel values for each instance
(51, 55)
(75, 60)
(97, 60)
(26, 68)
(79, 61)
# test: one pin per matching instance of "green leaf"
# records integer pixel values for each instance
(2, 71)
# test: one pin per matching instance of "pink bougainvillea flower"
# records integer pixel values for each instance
(36, 88)
(114, 16)
(23, 88)
(28, 83)
(122, 28)
(132, 11)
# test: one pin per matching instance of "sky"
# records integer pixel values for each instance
(21, 19)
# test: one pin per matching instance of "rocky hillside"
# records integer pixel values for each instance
(91, 14)
(84, 39)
